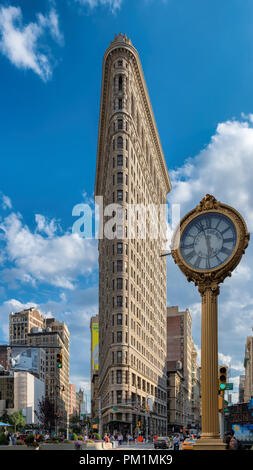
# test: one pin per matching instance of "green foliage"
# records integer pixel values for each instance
(29, 439)
(4, 440)
(20, 442)
(17, 420)
(97, 437)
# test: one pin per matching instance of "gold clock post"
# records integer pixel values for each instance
(208, 281)
(209, 368)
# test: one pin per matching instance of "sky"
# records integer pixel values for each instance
(197, 59)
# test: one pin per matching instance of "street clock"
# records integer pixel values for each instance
(207, 246)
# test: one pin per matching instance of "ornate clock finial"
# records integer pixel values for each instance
(208, 202)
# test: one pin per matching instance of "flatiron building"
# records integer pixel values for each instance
(131, 170)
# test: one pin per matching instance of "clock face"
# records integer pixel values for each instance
(208, 241)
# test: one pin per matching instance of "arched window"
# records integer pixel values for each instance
(120, 142)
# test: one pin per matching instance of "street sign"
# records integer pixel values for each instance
(115, 409)
(230, 386)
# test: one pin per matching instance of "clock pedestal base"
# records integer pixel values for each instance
(209, 444)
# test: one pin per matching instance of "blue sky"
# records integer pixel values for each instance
(197, 58)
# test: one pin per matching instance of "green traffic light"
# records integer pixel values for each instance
(222, 386)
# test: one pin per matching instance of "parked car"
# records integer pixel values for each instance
(188, 444)
(162, 443)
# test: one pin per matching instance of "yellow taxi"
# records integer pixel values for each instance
(188, 444)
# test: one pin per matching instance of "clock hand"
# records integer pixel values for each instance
(209, 248)
(207, 241)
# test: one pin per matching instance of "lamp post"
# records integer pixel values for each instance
(207, 246)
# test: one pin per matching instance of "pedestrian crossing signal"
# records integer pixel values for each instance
(59, 360)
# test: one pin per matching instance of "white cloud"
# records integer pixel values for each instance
(52, 23)
(55, 260)
(6, 202)
(49, 227)
(223, 168)
(21, 43)
(114, 5)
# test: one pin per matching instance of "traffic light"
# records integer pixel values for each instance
(222, 378)
(59, 360)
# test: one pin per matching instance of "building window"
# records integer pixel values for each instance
(120, 160)
(119, 283)
(120, 178)
(120, 63)
(120, 103)
(120, 124)
(120, 83)
(119, 248)
(119, 301)
(120, 195)
(119, 396)
(120, 141)
(119, 336)
(119, 357)
(119, 377)
(119, 265)
(119, 319)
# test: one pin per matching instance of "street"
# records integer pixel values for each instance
(141, 446)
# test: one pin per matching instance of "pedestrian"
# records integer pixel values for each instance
(233, 443)
(120, 438)
(176, 442)
(13, 440)
(227, 438)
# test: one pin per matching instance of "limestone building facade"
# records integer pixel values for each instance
(21, 323)
(131, 170)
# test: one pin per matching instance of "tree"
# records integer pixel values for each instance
(17, 420)
(46, 413)
(75, 423)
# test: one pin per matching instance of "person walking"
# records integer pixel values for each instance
(233, 443)
(176, 442)
(227, 439)
(13, 440)
(120, 438)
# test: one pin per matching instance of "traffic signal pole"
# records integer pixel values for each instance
(221, 416)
